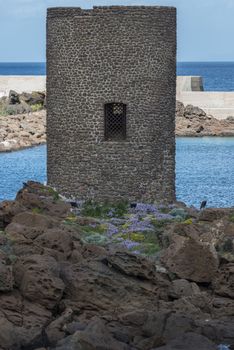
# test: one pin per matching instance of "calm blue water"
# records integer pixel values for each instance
(23, 68)
(19, 167)
(204, 170)
(218, 76)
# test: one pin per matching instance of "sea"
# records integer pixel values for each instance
(204, 170)
(217, 76)
(204, 166)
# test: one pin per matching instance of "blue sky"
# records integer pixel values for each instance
(205, 27)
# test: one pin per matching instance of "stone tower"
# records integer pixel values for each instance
(111, 85)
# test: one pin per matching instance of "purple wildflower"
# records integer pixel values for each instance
(111, 213)
(112, 230)
(163, 216)
(146, 208)
(127, 243)
(137, 225)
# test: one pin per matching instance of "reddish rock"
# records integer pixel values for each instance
(8, 335)
(132, 265)
(223, 283)
(69, 295)
(199, 305)
(35, 196)
(58, 240)
(6, 278)
(176, 325)
(229, 230)
(219, 331)
(182, 288)
(98, 287)
(91, 251)
(192, 260)
(8, 209)
(38, 280)
(212, 214)
(222, 307)
(32, 220)
(96, 336)
(55, 330)
(20, 233)
(34, 320)
(193, 231)
(189, 341)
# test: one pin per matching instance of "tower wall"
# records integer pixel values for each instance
(104, 55)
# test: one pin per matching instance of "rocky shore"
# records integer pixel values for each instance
(26, 126)
(22, 131)
(193, 121)
(22, 120)
(85, 276)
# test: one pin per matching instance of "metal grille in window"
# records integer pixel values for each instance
(115, 121)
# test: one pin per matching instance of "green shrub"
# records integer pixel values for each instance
(101, 229)
(179, 213)
(104, 210)
(149, 249)
(95, 239)
(37, 107)
(158, 224)
(134, 236)
(54, 193)
(37, 210)
(187, 222)
(3, 111)
(13, 258)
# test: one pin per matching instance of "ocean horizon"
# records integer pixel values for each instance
(217, 76)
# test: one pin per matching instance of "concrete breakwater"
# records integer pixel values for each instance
(189, 91)
(21, 83)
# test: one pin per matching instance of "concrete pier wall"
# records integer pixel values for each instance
(21, 83)
(218, 104)
(189, 83)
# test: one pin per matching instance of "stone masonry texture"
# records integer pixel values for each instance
(105, 55)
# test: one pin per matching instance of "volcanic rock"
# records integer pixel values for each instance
(192, 260)
(59, 292)
(189, 341)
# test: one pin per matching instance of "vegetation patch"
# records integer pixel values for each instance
(187, 222)
(54, 193)
(105, 210)
(37, 210)
(138, 228)
(37, 107)
(231, 218)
